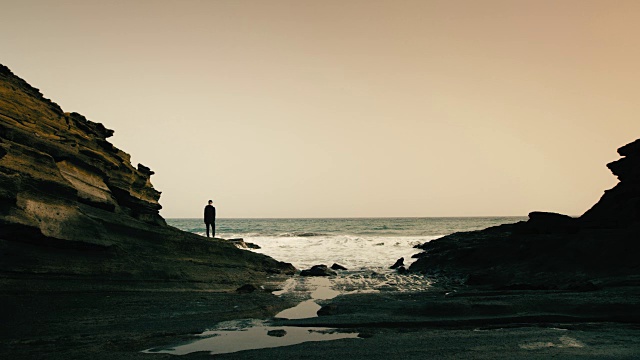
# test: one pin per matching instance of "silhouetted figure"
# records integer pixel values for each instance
(210, 218)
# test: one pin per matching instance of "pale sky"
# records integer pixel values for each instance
(347, 108)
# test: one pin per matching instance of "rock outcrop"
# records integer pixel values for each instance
(73, 206)
(318, 270)
(551, 250)
(241, 244)
(397, 264)
(619, 207)
(337, 266)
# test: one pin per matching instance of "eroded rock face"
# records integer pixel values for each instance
(53, 160)
(550, 250)
(70, 202)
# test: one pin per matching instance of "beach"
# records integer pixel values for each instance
(367, 311)
(383, 180)
(440, 323)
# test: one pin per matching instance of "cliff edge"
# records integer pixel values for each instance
(72, 207)
(552, 250)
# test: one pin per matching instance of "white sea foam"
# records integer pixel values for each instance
(354, 252)
(360, 244)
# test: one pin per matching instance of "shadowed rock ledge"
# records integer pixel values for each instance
(552, 251)
(74, 209)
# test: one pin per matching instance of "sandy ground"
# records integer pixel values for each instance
(116, 325)
(438, 323)
(591, 341)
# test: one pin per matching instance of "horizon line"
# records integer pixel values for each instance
(361, 217)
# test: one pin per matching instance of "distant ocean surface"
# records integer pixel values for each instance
(357, 243)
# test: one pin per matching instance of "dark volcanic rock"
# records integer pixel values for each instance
(551, 251)
(318, 270)
(397, 264)
(277, 333)
(626, 169)
(72, 206)
(550, 223)
(337, 267)
(620, 206)
(246, 289)
(240, 243)
(329, 309)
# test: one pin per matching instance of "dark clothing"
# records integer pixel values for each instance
(209, 214)
(210, 219)
(213, 229)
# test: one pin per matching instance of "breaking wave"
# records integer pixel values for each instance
(301, 234)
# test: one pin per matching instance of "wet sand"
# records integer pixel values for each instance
(599, 341)
(117, 325)
(438, 323)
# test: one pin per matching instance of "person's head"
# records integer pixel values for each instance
(210, 202)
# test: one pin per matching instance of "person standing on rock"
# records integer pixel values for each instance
(210, 218)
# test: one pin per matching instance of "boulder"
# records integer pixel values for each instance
(398, 263)
(240, 243)
(329, 309)
(550, 223)
(338, 267)
(318, 270)
(277, 333)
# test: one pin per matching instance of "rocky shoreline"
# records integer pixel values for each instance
(551, 251)
(89, 269)
(443, 322)
(75, 213)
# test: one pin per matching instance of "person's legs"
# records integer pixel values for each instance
(207, 229)
(213, 229)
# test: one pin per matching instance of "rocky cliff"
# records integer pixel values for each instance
(73, 206)
(619, 207)
(552, 250)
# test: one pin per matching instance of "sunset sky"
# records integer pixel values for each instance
(347, 108)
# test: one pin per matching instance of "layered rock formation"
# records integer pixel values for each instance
(552, 250)
(72, 205)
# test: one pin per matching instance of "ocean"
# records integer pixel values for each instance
(360, 244)
(367, 247)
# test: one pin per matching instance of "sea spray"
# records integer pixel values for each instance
(360, 244)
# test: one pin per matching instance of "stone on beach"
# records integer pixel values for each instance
(318, 270)
(329, 309)
(397, 264)
(277, 333)
(336, 266)
(240, 243)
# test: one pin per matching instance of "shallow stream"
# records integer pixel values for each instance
(249, 334)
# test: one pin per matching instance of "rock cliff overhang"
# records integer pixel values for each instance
(71, 203)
